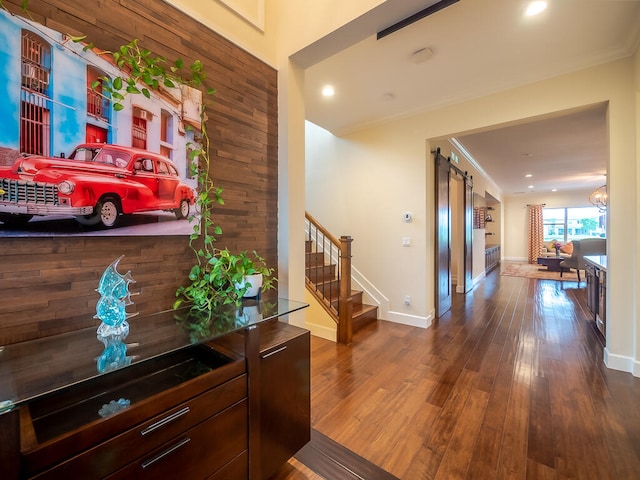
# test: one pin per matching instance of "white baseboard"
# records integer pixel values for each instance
(622, 363)
(411, 320)
(323, 332)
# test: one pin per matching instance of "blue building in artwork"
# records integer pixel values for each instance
(50, 103)
(45, 108)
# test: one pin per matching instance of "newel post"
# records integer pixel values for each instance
(345, 302)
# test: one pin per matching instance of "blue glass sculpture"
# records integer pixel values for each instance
(114, 406)
(114, 355)
(114, 298)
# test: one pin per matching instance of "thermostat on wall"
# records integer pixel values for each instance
(407, 217)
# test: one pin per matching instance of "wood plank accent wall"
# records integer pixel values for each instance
(47, 285)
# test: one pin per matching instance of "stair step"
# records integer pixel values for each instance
(356, 298)
(364, 315)
(321, 273)
(313, 259)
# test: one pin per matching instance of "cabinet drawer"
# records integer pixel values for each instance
(68, 423)
(236, 469)
(198, 453)
(113, 454)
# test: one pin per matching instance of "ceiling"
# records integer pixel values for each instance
(477, 47)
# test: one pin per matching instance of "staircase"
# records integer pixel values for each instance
(327, 265)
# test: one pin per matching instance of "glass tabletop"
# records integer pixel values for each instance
(35, 368)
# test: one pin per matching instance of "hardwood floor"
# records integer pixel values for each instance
(509, 384)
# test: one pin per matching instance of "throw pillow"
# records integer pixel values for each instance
(568, 248)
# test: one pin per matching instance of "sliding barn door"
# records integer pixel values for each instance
(468, 234)
(443, 236)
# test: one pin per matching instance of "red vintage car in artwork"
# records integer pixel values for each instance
(97, 183)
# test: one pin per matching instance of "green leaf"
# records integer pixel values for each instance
(132, 89)
(118, 106)
(74, 39)
(146, 92)
(117, 83)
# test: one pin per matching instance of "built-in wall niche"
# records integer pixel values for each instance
(479, 217)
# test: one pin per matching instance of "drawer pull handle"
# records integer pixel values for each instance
(168, 451)
(266, 355)
(165, 420)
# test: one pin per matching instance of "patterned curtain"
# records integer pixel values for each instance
(536, 236)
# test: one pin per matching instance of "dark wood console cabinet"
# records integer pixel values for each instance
(236, 406)
(279, 389)
(285, 394)
(596, 276)
(182, 407)
(491, 257)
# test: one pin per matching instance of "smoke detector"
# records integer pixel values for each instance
(421, 55)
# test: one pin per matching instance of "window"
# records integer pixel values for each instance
(35, 109)
(97, 104)
(139, 128)
(166, 134)
(567, 224)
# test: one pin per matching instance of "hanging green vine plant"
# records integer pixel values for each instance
(216, 278)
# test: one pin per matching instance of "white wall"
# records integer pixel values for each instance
(636, 269)
(299, 24)
(387, 166)
(361, 187)
(236, 21)
(387, 170)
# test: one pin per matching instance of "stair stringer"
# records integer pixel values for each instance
(317, 320)
(373, 296)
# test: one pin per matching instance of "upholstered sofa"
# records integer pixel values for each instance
(585, 246)
(548, 251)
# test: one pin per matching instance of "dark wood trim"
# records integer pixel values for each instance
(436, 7)
(252, 354)
(10, 444)
(329, 459)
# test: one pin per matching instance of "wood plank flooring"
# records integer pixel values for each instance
(509, 384)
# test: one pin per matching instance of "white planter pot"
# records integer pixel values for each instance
(255, 281)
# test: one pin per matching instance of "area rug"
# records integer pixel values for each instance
(517, 269)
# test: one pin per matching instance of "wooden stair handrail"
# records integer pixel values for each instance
(344, 316)
(320, 227)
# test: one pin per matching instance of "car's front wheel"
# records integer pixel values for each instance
(183, 210)
(15, 219)
(107, 212)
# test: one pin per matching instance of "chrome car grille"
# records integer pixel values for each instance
(18, 191)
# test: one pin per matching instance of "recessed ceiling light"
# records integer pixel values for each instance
(328, 91)
(530, 186)
(535, 8)
(554, 189)
(528, 175)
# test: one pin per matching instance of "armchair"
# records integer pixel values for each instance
(586, 246)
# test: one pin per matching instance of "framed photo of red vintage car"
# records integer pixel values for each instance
(71, 163)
